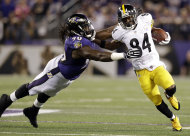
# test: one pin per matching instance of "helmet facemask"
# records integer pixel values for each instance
(87, 30)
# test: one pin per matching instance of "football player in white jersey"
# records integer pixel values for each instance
(134, 30)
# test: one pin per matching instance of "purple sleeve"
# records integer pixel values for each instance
(78, 42)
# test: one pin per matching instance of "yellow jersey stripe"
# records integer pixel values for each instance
(152, 23)
(123, 8)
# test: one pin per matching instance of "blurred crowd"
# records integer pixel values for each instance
(17, 63)
(24, 21)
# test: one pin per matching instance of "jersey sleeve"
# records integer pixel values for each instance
(78, 42)
(147, 17)
(117, 33)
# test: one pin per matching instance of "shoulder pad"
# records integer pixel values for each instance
(117, 33)
(146, 17)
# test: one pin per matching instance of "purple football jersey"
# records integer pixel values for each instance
(72, 68)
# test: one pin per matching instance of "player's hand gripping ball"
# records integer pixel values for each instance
(160, 36)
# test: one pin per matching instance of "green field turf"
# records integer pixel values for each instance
(97, 107)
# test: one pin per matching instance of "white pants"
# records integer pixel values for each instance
(50, 81)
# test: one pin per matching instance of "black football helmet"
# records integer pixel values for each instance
(79, 24)
(127, 16)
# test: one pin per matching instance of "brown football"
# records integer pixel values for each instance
(159, 34)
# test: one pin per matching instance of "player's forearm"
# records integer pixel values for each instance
(112, 45)
(105, 33)
(107, 56)
(103, 56)
(97, 55)
(153, 28)
(107, 44)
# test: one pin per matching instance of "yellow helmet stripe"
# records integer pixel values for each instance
(123, 8)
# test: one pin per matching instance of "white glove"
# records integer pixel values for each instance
(166, 41)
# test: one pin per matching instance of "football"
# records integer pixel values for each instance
(159, 34)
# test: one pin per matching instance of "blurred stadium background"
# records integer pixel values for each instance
(29, 32)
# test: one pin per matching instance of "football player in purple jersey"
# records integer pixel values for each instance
(77, 35)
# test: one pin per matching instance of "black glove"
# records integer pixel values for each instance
(133, 54)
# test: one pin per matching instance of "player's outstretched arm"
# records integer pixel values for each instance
(105, 33)
(104, 56)
(107, 44)
(89, 53)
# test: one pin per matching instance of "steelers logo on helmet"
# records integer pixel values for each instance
(127, 16)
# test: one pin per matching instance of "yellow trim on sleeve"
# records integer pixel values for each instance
(152, 23)
(123, 8)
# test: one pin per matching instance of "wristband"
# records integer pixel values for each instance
(117, 56)
(103, 43)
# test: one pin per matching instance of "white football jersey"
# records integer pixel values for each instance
(140, 38)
